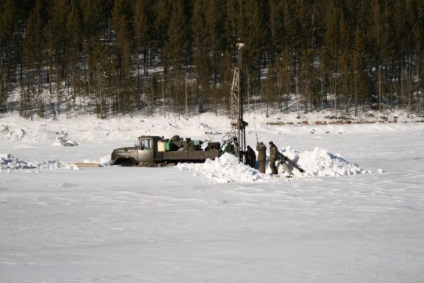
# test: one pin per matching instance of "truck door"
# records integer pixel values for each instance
(146, 152)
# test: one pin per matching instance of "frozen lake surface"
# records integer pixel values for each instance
(213, 222)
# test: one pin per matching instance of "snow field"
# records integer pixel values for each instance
(214, 222)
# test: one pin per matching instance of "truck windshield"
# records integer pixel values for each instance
(146, 143)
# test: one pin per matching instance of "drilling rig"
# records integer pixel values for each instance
(237, 101)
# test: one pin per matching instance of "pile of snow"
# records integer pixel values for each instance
(9, 163)
(319, 162)
(65, 141)
(13, 135)
(226, 169)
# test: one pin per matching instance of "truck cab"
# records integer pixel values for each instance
(142, 152)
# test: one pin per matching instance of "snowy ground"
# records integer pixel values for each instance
(356, 215)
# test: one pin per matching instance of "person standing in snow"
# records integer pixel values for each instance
(261, 148)
(251, 157)
(273, 154)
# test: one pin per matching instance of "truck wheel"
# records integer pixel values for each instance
(125, 162)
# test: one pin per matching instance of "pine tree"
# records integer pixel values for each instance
(330, 51)
(161, 10)
(276, 28)
(201, 51)
(176, 50)
(359, 67)
(92, 16)
(34, 56)
(377, 30)
(255, 34)
(8, 18)
(100, 69)
(176, 46)
(143, 30)
(74, 49)
(418, 28)
(345, 63)
(213, 28)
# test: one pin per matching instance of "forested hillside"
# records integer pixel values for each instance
(124, 56)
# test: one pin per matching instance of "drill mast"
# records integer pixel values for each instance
(237, 101)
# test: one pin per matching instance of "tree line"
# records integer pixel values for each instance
(125, 56)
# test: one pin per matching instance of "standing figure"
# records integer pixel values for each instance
(273, 153)
(251, 157)
(261, 148)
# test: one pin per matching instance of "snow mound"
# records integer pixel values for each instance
(65, 141)
(319, 162)
(9, 163)
(3, 128)
(226, 169)
(12, 134)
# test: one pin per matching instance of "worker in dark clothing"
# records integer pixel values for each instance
(246, 157)
(261, 148)
(273, 154)
(251, 157)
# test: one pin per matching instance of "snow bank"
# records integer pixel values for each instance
(65, 141)
(8, 163)
(318, 162)
(226, 169)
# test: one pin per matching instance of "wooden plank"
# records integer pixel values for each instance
(84, 165)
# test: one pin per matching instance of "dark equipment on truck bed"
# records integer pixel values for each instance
(157, 151)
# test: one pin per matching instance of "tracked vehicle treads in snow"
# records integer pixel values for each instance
(157, 151)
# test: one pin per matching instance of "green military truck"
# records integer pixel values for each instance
(157, 151)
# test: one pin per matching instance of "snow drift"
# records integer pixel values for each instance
(319, 162)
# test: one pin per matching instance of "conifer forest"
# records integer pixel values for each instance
(120, 57)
